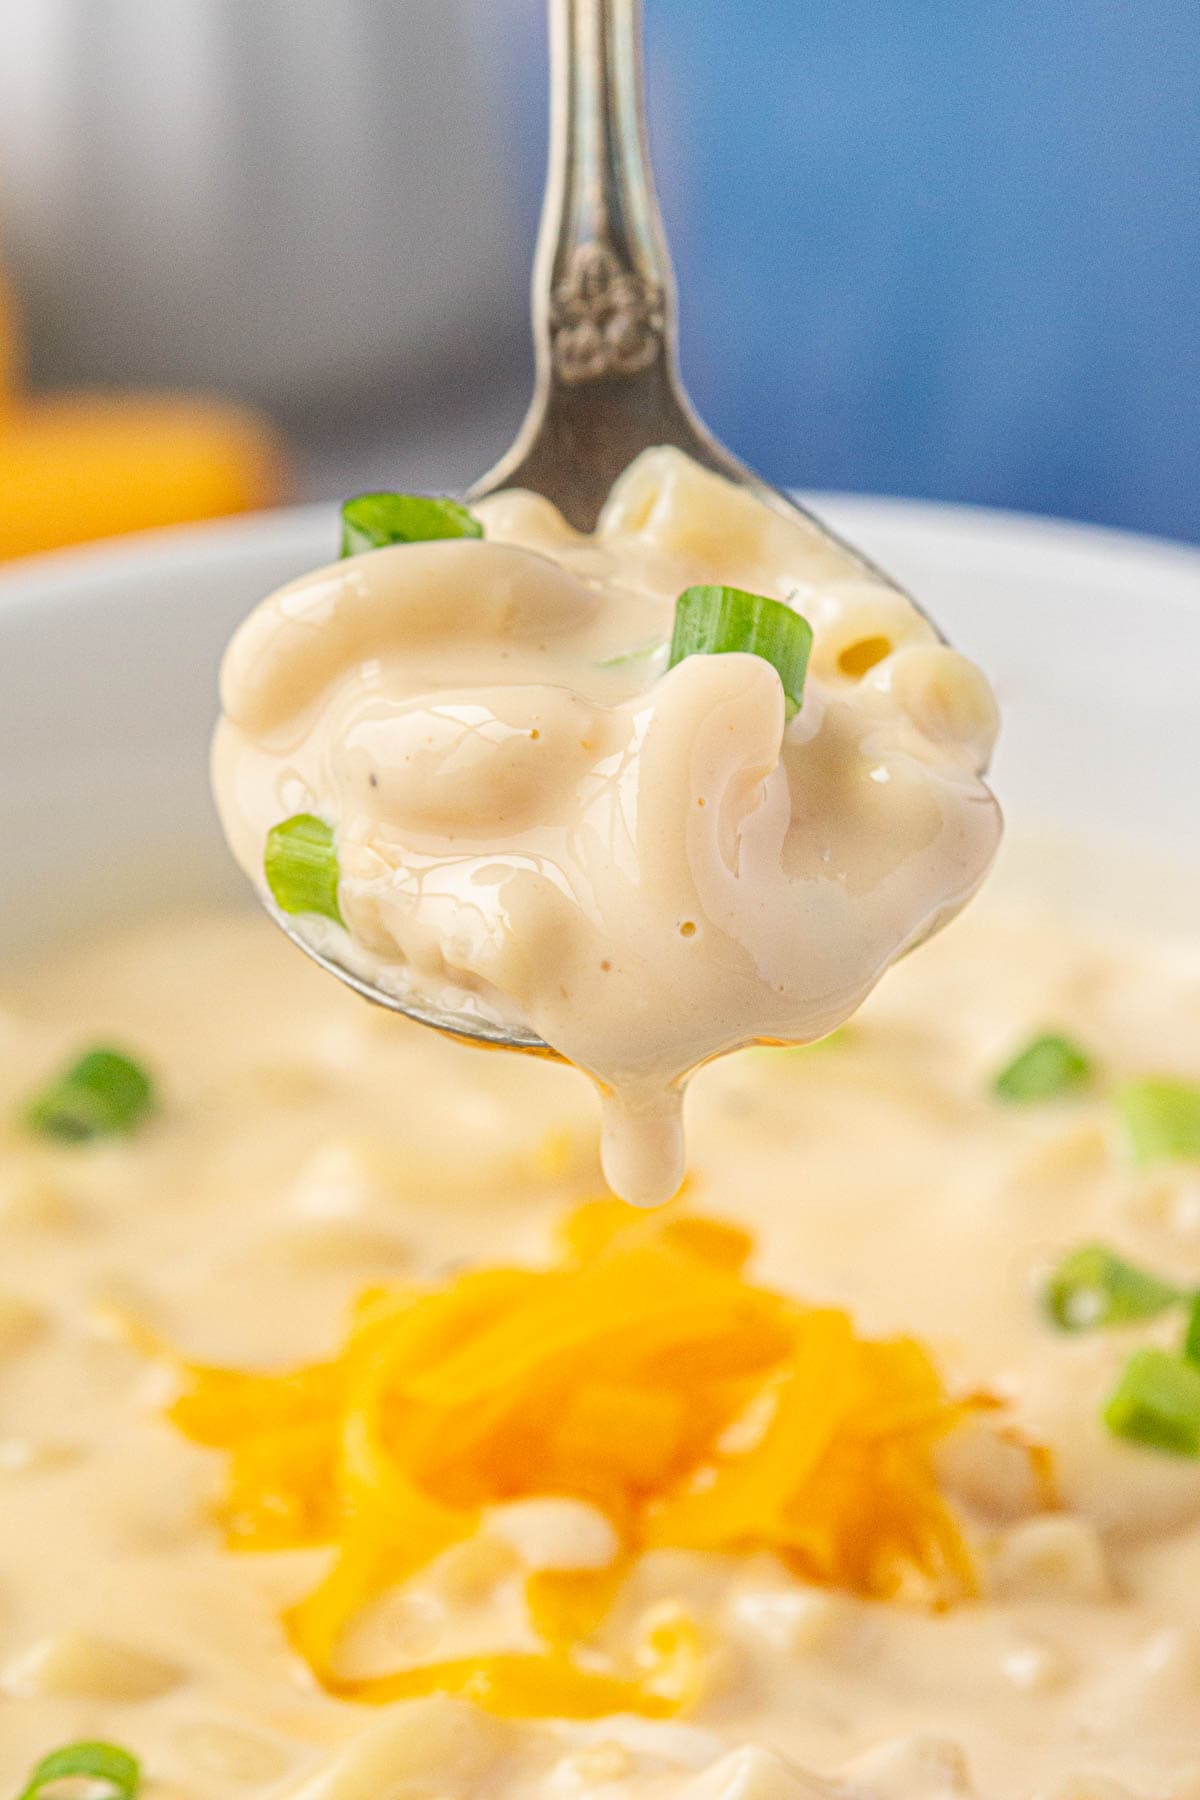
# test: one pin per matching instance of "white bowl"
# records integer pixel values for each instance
(108, 667)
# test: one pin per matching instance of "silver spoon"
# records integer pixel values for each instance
(604, 327)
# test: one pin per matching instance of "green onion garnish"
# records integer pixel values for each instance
(1093, 1287)
(1157, 1402)
(1191, 1337)
(370, 521)
(1162, 1119)
(712, 621)
(90, 1761)
(301, 866)
(1049, 1066)
(624, 658)
(102, 1094)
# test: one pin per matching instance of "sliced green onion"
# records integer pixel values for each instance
(624, 658)
(1162, 1119)
(1157, 1402)
(370, 521)
(1191, 1337)
(102, 1094)
(1049, 1066)
(89, 1761)
(301, 866)
(712, 621)
(1093, 1287)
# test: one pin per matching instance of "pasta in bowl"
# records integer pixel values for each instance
(232, 1198)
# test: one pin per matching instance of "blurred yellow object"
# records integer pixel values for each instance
(80, 466)
(76, 466)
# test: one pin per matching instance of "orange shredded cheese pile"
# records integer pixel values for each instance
(616, 1377)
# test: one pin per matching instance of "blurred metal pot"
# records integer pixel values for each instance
(293, 199)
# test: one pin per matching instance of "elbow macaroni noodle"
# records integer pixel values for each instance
(531, 822)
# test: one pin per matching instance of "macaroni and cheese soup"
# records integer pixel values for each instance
(356, 1445)
(537, 821)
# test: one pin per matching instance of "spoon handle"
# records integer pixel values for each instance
(603, 301)
(603, 290)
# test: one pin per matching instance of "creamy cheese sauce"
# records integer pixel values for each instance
(534, 820)
(307, 1146)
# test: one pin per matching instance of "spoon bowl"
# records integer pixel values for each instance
(607, 383)
(471, 1027)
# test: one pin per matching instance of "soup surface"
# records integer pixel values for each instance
(537, 821)
(307, 1148)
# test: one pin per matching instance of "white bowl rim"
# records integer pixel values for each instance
(109, 655)
(217, 541)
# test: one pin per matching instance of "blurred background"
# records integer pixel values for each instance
(947, 248)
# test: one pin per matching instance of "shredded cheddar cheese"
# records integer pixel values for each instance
(643, 1373)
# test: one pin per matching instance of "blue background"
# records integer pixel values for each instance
(938, 247)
